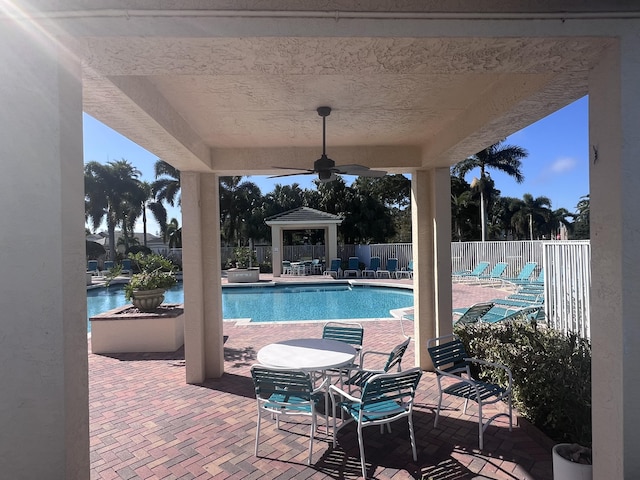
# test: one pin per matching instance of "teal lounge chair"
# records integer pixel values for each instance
(353, 268)
(108, 265)
(472, 313)
(494, 275)
(92, 267)
(390, 271)
(126, 266)
(406, 272)
(464, 274)
(523, 276)
(503, 313)
(374, 265)
(334, 269)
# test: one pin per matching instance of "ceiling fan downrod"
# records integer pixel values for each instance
(324, 112)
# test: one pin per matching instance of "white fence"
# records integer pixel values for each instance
(566, 269)
(567, 272)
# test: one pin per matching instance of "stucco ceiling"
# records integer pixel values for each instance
(245, 104)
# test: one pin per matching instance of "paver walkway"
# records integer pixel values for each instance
(146, 423)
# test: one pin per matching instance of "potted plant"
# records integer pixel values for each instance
(146, 288)
(572, 461)
(244, 270)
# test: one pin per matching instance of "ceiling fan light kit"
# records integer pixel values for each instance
(326, 168)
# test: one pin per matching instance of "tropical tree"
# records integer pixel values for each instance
(238, 204)
(173, 234)
(531, 216)
(164, 189)
(582, 223)
(113, 192)
(505, 158)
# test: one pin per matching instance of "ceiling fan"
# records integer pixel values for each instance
(327, 168)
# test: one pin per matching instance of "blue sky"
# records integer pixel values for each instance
(557, 166)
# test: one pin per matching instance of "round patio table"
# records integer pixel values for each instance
(309, 354)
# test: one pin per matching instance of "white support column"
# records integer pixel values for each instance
(431, 224)
(276, 250)
(43, 341)
(332, 243)
(614, 148)
(203, 326)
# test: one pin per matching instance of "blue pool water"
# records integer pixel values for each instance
(282, 302)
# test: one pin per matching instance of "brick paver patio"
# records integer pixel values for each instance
(146, 423)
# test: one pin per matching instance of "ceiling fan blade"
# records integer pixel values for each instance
(368, 173)
(298, 172)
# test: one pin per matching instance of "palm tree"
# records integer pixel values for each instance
(238, 203)
(113, 192)
(531, 215)
(581, 226)
(503, 158)
(173, 233)
(165, 188)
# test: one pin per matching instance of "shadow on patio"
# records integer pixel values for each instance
(147, 423)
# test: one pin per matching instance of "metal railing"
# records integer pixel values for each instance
(567, 283)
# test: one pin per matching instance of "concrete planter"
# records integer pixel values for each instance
(564, 469)
(120, 331)
(243, 275)
(148, 300)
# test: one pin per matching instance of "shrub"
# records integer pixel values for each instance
(551, 374)
(156, 271)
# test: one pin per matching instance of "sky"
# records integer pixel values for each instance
(557, 165)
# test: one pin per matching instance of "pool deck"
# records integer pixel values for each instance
(147, 423)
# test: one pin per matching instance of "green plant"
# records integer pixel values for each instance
(156, 271)
(551, 374)
(244, 257)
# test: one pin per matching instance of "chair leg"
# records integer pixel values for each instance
(361, 445)
(480, 427)
(435, 422)
(412, 437)
(313, 434)
(257, 431)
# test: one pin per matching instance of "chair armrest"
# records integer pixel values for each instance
(322, 387)
(372, 352)
(333, 389)
(477, 361)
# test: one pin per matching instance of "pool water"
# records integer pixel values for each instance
(282, 302)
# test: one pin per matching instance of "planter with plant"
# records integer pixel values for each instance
(146, 288)
(244, 271)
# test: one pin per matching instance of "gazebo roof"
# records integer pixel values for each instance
(303, 216)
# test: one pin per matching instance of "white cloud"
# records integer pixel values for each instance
(560, 166)
(563, 165)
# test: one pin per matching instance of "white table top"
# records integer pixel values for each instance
(307, 354)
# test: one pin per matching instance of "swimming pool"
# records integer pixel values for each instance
(282, 302)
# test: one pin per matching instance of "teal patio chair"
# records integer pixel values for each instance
(348, 332)
(386, 397)
(126, 266)
(362, 374)
(108, 265)
(374, 265)
(353, 268)
(462, 275)
(390, 270)
(286, 268)
(286, 392)
(451, 361)
(334, 269)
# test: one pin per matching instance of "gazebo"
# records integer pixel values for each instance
(299, 219)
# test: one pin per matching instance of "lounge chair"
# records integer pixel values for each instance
(538, 280)
(386, 397)
(390, 270)
(472, 313)
(462, 275)
(108, 265)
(353, 268)
(394, 359)
(374, 265)
(334, 269)
(505, 313)
(523, 276)
(92, 267)
(126, 266)
(406, 271)
(286, 392)
(451, 361)
(495, 275)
